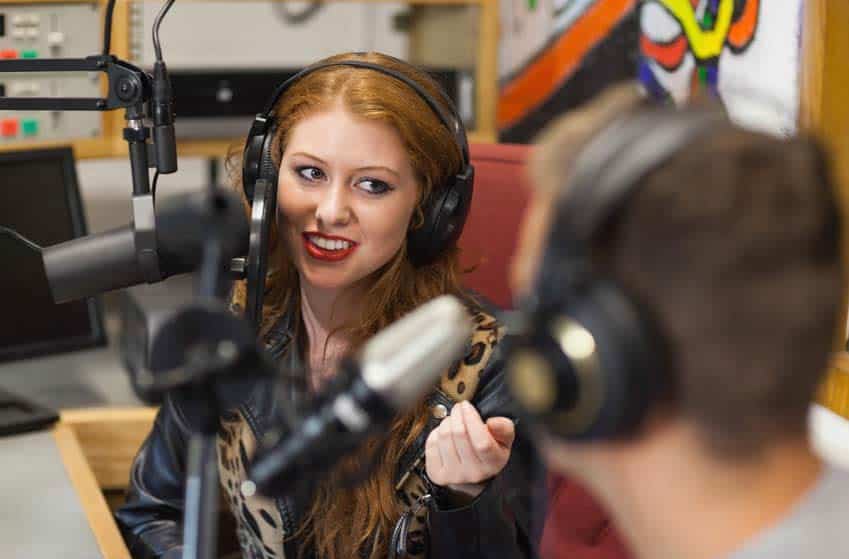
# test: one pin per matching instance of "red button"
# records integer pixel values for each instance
(8, 127)
(8, 53)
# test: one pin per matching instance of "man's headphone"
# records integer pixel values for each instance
(445, 210)
(591, 361)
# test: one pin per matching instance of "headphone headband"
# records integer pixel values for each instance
(451, 121)
(612, 165)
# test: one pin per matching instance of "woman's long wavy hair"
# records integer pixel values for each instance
(343, 522)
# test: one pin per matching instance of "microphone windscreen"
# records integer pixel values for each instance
(403, 360)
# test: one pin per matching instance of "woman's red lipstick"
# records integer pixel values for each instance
(326, 254)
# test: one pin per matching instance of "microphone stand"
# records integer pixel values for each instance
(203, 342)
(203, 345)
(201, 353)
(200, 521)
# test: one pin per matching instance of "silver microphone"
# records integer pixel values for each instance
(393, 370)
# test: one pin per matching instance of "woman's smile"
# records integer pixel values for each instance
(328, 248)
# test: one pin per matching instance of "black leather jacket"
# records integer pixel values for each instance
(494, 525)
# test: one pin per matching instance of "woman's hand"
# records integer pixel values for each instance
(463, 451)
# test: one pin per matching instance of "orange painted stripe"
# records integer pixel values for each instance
(532, 86)
(743, 29)
(668, 55)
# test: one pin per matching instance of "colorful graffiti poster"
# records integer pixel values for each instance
(556, 54)
(744, 51)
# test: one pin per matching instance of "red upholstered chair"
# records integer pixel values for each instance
(489, 238)
(575, 526)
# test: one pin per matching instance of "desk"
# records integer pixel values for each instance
(51, 505)
(51, 481)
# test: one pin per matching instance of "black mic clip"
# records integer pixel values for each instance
(199, 343)
(144, 232)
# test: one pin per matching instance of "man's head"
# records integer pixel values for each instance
(731, 247)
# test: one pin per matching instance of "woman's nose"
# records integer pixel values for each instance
(333, 206)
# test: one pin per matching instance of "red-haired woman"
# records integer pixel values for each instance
(359, 155)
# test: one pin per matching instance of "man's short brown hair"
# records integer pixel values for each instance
(733, 246)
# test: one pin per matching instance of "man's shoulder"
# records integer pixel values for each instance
(814, 527)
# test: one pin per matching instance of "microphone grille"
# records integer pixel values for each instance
(404, 360)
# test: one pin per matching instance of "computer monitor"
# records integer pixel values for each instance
(40, 199)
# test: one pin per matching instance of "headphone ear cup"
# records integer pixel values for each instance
(257, 162)
(262, 212)
(630, 357)
(597, 364)
(445, 215)
(267, 169)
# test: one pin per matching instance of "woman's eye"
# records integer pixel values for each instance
(310, 173)
(374, 186)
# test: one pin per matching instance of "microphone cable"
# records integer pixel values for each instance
(20, 238)
(107, 27)
(162, 104)
(156, 23)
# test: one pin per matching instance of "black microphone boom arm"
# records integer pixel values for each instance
(128, 85)
(129, 88)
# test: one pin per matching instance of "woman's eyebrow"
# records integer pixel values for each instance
(309, 155)
(380, 168)
(358, 169)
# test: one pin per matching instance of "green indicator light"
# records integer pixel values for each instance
(29, 127)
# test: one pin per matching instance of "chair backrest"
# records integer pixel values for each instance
(575, 526)
(491, 233)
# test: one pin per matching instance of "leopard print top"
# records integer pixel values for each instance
(259, 523)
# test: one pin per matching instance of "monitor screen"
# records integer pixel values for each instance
(40, 199)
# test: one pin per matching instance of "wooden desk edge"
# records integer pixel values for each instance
(94, 505)
(78, 416)
(110, 439)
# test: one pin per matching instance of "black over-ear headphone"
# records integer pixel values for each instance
(445, 211)
(590, 360)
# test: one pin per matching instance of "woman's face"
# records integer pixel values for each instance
(346, 194)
